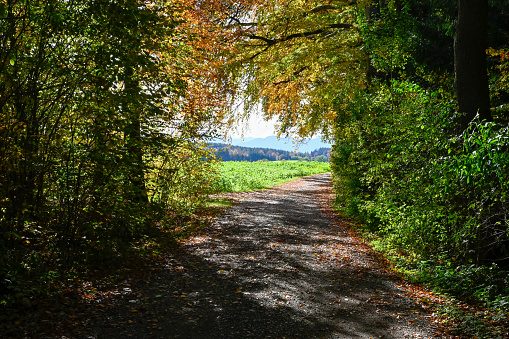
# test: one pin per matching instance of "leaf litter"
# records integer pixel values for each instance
(279, 263)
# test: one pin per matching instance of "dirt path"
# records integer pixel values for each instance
(274, 266)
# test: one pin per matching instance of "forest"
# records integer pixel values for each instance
(107, 107)
(238, 153)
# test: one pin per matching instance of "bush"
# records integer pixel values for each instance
(425, 193)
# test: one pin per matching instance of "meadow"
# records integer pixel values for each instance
(243, 176)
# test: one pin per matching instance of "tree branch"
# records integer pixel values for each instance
(318, 31)
(240, 23)
(320, 9)
(257, 54)
(271, 42)
(296, 73)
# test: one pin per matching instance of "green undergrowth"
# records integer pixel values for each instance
(476, 297)
(243, 176)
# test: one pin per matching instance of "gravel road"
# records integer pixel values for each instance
(275, 265)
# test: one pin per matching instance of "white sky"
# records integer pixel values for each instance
(256, 128)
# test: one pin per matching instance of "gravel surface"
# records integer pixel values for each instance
(275, 265)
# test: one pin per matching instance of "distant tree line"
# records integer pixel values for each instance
(238, 153)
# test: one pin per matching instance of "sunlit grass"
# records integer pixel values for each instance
(243, 176)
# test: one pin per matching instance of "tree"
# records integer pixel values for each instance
(297, 58)
(103, 108)
(470, 67)
(41, 71)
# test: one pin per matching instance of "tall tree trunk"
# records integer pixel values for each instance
(134, 139)
(132, 108)
(470, 65)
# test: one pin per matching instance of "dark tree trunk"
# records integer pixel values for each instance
(134, 140)
(470, 65)
(137, 175)
(132, 107)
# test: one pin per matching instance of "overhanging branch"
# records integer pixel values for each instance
(320, 9)
(296, 73)
(271, 42)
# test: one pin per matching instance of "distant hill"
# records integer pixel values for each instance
(240, 153)
(284, 144)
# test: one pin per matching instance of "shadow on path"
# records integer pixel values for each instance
(273, 266)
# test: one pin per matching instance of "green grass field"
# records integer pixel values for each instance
(242, 176)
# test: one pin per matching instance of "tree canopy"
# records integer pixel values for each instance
(296, 57)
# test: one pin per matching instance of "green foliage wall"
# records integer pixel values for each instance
(426, 194)
(400, 164)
